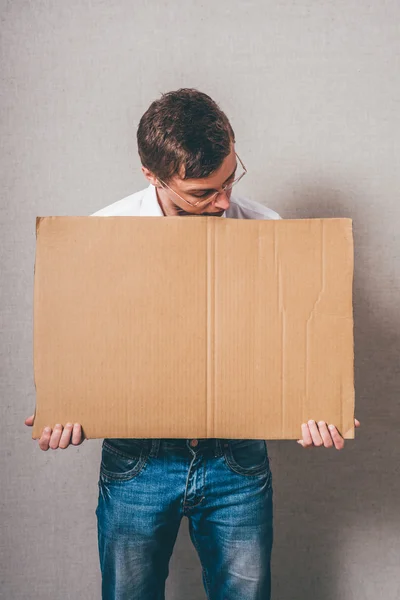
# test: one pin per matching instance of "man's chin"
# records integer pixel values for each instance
(209, 215)
(183, 213)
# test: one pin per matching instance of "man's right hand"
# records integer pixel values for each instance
(60, 437)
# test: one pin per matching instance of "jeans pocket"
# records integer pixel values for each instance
(122, 463)
(247, 457)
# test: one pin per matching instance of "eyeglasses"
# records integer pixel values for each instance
(208, 198)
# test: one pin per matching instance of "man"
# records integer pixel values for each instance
(187, 149)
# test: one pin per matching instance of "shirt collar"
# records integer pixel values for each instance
(149, 206)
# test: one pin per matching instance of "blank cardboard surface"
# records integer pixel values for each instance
(193, 327)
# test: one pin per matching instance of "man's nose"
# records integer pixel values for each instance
(222, 200)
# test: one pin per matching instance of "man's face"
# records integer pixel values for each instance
(194, 190)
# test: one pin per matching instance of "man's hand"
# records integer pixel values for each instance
(60, 437)
(320, 435)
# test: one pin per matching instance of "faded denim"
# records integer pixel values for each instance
(223, 486)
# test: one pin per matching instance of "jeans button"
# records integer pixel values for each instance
(194, 443)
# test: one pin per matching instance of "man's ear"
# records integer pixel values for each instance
(150, 176)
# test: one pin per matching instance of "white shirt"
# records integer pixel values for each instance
(145, 203)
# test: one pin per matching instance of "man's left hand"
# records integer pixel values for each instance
(319, 434)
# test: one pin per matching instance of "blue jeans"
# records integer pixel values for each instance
(223, 486)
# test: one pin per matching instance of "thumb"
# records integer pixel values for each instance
(29, 420)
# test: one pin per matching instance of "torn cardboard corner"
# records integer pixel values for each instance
(194, 327)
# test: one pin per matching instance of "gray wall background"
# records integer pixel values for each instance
(313, 93)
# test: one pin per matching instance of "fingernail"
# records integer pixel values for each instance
(68, 425)
(304, 424)
(311, 422)
(57, 426)
(47, 429)
(321, 423)
(331, 427)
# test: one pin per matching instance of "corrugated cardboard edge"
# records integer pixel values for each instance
(350, 433)
(35, 434)
(38, 221)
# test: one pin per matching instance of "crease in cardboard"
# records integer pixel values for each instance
(309, 323)
(210, 324)
(282, 315)
(323, 271)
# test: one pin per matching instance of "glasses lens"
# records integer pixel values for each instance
(204, 200)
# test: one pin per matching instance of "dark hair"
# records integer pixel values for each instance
(184, 133)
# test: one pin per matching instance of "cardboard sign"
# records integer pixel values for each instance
(193, 327)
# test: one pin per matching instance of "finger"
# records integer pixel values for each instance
(326, 436)
(77, 434)
(336, 437)
(66, 436)
(316, 438)
(55, 437)
(307, 439)
(357, 423)
(45, 439)
(29, 421)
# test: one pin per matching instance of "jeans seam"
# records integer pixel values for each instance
(207, 581)
(140, 465)
(118, 452)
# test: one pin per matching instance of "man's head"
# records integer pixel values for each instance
(186, 145)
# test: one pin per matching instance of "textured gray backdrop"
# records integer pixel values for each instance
(313, 93)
